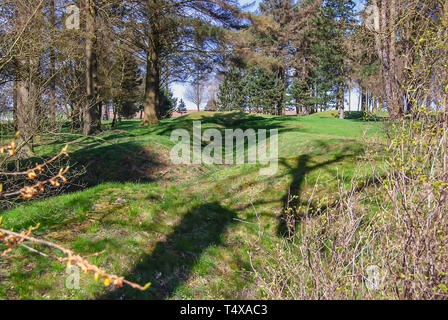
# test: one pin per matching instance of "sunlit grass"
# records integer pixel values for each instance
(183, 228)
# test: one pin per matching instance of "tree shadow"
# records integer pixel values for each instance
(171, 262)
(293, 197)
(221, 122)
(131, 161)
(363, 116)
(90, 166)
(122, 162)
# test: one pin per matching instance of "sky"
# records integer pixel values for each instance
(179, 88)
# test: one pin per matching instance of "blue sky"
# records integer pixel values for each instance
(178, 89)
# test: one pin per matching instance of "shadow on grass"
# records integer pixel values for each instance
(294, 197)
(234, 120)
(132, 162)
(122, 162)
(363, 116)
(107, 158)
(171, 262)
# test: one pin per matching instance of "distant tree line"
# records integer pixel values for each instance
(310, 55)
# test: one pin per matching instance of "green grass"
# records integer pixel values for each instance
(184, 228)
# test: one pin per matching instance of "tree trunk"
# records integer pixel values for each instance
(92, 118)
(114, 120)
(366, 104)
(52, 67)
(341, 101)
(280, 104)
(359, 97)
(349, 95)
(26, 116)
(27, 62)
(385, 42)
(444, 144)
(75, 116)
(198, 94)
(152, 84)
(14, 107)
(106, 112)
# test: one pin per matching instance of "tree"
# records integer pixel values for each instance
(27, 25)
(195, 93)
(92, 111)
(170, 32)
(262, 90)
(333, 54)
(167, 104)
(181, 108)
(126, 94)
(281, 12)
(386, 45)
(231, 93)
(52, 64)
(302, 86)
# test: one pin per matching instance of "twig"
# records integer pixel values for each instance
(10, 238)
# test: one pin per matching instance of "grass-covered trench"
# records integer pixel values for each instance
(186, 229)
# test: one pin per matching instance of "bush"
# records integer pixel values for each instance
(386, 239)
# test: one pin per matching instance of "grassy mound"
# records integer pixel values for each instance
(184, 228)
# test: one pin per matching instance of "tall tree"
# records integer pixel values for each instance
(385, 42)
(125, 93)
(302, 62)
(167, 31)
(92, 119)
(339, 15)
(195, 93)
(28, 24)
(52, 64)
(231, 91)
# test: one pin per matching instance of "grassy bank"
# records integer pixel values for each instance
(185, 229)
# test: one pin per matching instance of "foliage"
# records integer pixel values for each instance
(230, 95)
(126, 95)
(385, 236)
(181, 108)
(167, 104)
(251, 90)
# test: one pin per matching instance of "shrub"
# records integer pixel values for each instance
(386, 239)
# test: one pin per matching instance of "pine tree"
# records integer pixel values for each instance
(126, 94)
(231, 92)
(331, 28)
(181, 108)
(167, 104)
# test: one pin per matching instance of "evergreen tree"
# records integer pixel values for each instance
(331, 29)
(167, 104)
(126, 94)
(181, 108)
(301, 89)
(231, 92)
(263, 91)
